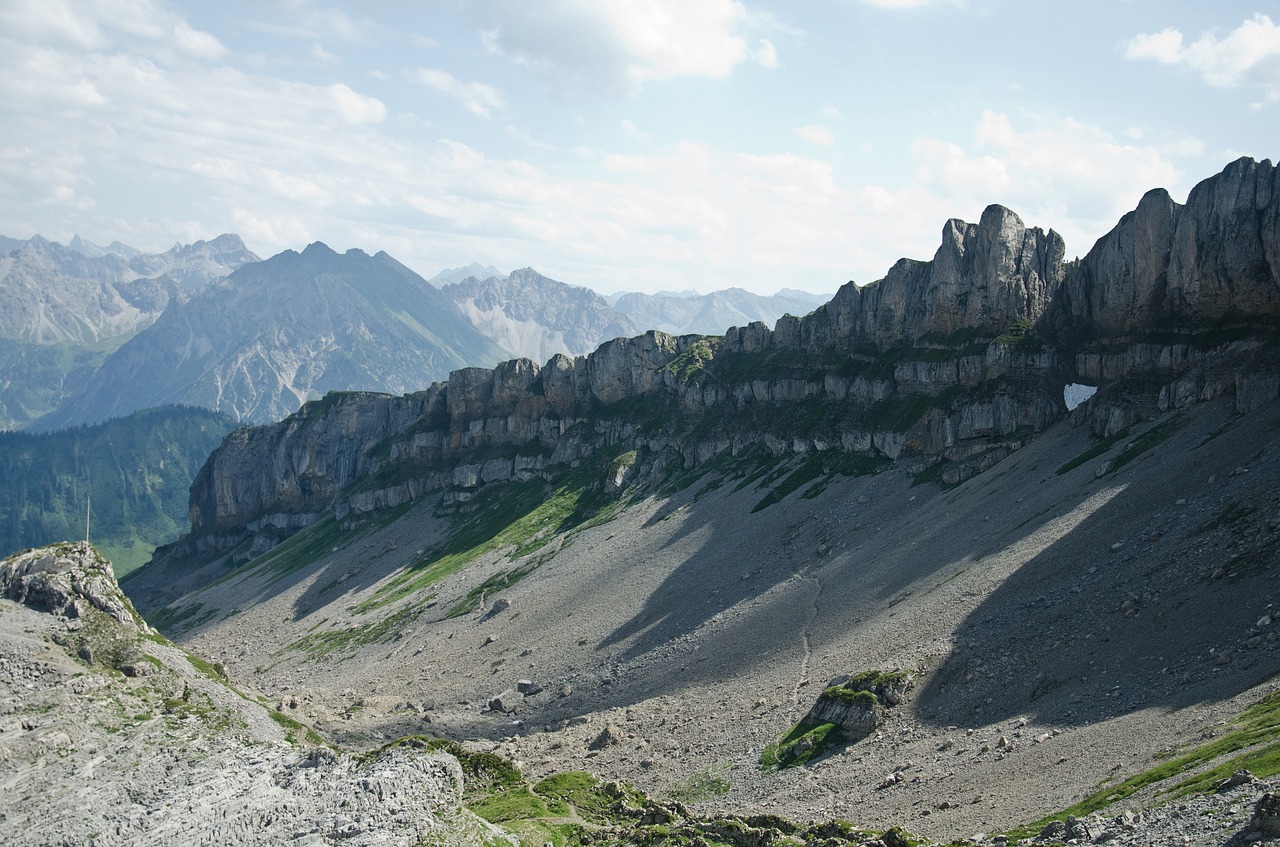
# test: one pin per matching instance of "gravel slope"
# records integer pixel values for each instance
(1063, 630)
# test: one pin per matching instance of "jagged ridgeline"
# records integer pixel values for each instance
(943, 366)
(136, 470)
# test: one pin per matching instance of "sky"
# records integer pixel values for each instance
(624, 145)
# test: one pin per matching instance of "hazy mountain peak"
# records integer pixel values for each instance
(318, 248)
(475, 269)
(93, 251)
(253, 348)
(535, 317)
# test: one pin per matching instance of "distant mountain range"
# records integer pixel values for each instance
(276, 333)
(690, 313)
(65, 309)
(88, 333)
(535, 317)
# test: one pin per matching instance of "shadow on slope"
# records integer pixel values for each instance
(1154, 599)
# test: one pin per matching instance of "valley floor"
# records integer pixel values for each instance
(1067, 627)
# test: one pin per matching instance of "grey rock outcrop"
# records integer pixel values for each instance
(986, 276)
(165, 753)
(955, 362)
(1165, 265)
(857, 704)
(67, 580)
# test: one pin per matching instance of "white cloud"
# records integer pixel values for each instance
(199, 44)
(816, 134)
(356, 108)
(900, 4)
(631, 130)
(615, 46)
(313, 24)
(766, 55)
(1249, 55)
(1052, 170)
(478, 98)
(1163, 46)
(93, 26)
(829, 112)
(322, 55)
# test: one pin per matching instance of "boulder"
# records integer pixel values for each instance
(505, 702)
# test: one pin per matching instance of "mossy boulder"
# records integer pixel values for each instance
(856, 704)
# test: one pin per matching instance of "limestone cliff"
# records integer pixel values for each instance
(950, 363)
(1166, 265)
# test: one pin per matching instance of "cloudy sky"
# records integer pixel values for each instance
(620, 144)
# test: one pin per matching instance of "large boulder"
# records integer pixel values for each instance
(67, 580)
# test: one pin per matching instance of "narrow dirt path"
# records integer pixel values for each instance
(803, 566)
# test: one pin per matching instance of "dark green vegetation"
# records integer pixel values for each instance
(137, 469)
(295, 733)
(801, 744)
(1152, 437)
(813, 737)
(36, 377)
(575, 809)
(1256, 732)
(520, 518)
(820, 469)
(1102, 446)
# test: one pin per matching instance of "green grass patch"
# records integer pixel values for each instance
(1231, 514)
(706, 784)
(598, 803)
(803, 743)
(302, 548)
(328, 641)
(521, 517)
(1093, 452)
(214, 670)
(1257, 725)
(492, 585)
(295, 732)
(1153, 437)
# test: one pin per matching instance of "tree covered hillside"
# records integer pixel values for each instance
(137, 468)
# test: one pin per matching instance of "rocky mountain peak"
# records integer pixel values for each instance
(1182, 265)
(318, 248)
(67, 580)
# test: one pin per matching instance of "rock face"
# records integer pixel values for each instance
(952, 363)
(165, 753)
(1166, 265)
(67, 580)
(985, 276)
(855, 704)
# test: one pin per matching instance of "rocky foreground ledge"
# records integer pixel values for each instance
(110, 735)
